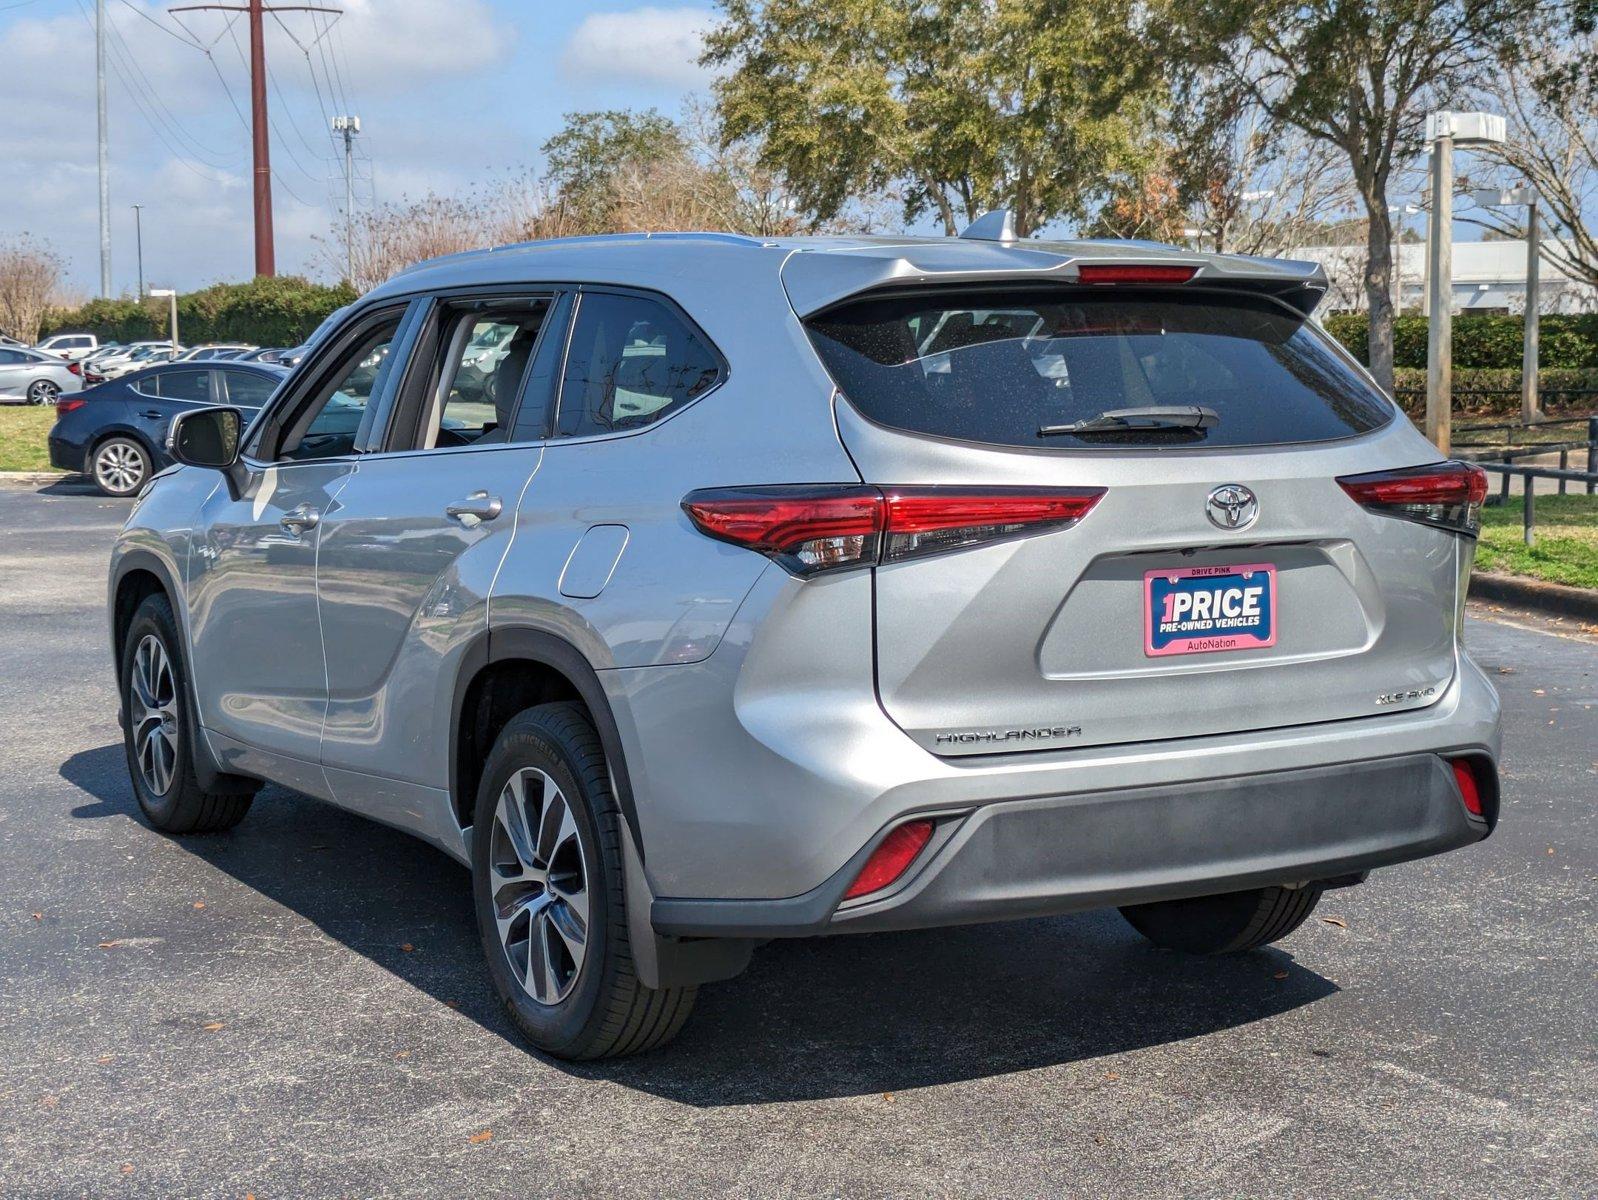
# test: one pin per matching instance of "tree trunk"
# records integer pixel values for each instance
(1379, 292)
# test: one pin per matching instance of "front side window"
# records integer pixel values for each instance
(1078, 370)
(247, 389)
(329, 427)
(631, 361)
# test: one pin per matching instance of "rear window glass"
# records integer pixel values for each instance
(1002, 367)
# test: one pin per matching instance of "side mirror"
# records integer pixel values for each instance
(206, 437)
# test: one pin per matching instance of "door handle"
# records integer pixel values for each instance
(476, 508)
(298, 520)
(151, 414)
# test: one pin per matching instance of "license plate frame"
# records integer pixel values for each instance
(1223, 626)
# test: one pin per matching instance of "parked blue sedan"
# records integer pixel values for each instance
(115, 433)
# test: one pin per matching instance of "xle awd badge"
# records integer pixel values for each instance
(1232, 506)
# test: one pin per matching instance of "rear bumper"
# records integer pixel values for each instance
(1056, 854)
(65, 455)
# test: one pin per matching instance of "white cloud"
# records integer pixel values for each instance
(390, 45)
(641, 45)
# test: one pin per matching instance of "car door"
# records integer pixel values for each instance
(160, 396)
(257, 646)
(13, 373)
(408, 557)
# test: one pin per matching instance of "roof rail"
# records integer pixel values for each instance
(995, 226)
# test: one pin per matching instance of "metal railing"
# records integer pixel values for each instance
(1506, 467)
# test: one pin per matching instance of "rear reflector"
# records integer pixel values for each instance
(1448, 495)
(890, 860)
(1133, 273)
(63, 407)
(810, 529)
(1469, 788)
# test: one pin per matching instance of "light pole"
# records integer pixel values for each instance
(1400, 211)
(349, 127)
(1524, 197)
(138, 241)
(172, 328)
(1444, 131)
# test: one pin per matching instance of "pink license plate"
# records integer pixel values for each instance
(1201, 610)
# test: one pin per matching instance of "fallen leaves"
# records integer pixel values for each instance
(1111, 1076)
(199, 904)
(1280, 975)
(1338, 921)
(105, 1058)
(407, 947)
(50, 1101)
(212, 1026)
(403, 1054)
(38, 916)
(477, 1139)
(112, 944)
(127, 1168)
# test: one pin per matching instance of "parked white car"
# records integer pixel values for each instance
(69, 346)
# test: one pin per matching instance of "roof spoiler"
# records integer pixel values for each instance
(817, 281)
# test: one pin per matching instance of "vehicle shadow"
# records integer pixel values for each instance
(814, 1019)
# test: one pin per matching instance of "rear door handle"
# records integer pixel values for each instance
(152, 414)
(475, 509)
(298, 520)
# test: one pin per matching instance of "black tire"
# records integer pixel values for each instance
(182, 806)
(43, 391)
(1227, 924)
(119, 466)
(606, 1012)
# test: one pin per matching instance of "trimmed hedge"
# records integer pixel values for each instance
(1566, 341)
(281, 311)
(1497, 390)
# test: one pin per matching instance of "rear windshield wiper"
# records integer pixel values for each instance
(1153, 416)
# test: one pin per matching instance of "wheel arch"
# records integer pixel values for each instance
(507, 670)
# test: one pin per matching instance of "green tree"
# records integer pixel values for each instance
(1038, 106)
(588, 157)
(1359, 75)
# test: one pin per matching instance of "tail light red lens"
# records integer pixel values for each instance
(63, 407)
(811, 529)
(1448, 495)
(1469, 785)
(1133, 273)
(75, 368)
(889, 861)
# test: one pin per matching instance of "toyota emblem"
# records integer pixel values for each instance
(1232, 506)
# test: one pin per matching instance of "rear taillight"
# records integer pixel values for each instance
(810, 529)
(889, 861)
(75, 368)
(63, 407)
(1448, 495)
(1133, 273)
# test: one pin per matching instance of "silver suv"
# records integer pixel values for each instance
(698, 590)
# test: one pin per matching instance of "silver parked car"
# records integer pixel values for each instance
(33, 377)
(817, 586)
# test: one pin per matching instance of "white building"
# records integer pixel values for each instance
(1489, 277)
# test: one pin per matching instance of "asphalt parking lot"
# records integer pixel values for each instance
(298, 1009)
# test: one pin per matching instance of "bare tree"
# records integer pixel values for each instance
(1552, 112)
(30, 272)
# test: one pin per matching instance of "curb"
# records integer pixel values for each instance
(1555, 598)
(32, 477)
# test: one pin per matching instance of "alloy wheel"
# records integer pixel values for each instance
(153, 714)
(43, 392)
(539, 885)
(119, 467)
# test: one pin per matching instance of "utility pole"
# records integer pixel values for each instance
(1445, 130)
(105, 167)
(138, 241)
(1530, 410)
(260, 131)
(349, 127)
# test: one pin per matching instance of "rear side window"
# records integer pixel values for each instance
(193, 386)
(631, 361)
(1002, 367)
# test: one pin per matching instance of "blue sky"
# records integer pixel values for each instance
(450, 93)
